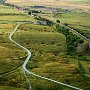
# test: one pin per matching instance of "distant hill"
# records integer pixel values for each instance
(71, 4)
(80, 0)
(48, 0)
(15, 1)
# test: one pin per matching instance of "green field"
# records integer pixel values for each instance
(48, 48)
(10, 14)
(78, 20)
(49, 58)
(9, 53)
(10, 88)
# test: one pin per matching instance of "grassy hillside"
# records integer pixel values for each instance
(78, 20)
(49, 57)
(10, 14)
(9, 54)
(10, 88)
(70, 4)
(11, 57)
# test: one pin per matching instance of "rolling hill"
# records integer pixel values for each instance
(47, 44)
(70, 4)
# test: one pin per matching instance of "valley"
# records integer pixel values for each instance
(49, 42)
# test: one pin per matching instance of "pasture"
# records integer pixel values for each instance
(48, 49)
(49, 59)
(77, 20)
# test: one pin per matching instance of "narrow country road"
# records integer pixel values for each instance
(26, 62)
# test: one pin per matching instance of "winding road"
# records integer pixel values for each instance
(26, 71)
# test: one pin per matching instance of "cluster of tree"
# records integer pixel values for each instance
(33, 11)
(83, 32)
(44, 19)
(71, 39)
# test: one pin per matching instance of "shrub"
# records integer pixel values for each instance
(71, 39)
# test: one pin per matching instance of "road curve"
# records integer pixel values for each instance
(26, 62)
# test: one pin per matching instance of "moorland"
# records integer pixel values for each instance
(57, 52)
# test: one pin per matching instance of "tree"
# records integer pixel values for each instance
(80, 41)
(29, 12)
(58, 21)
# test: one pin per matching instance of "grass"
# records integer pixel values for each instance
(29, 27)
(16, 18)
(41, 36)
(48, 59)
(84, 5)
(79, 21)
(11, 58)
(8, 14)
(8, 10)
(6, 26)
(80, 1)
(9, 54)
(10, 88)
(42, 41)
(75, 18)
